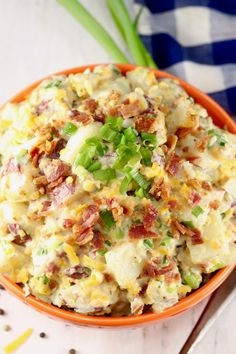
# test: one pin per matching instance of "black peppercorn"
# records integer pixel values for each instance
(2, 312)
(72, 351)
(42, 335)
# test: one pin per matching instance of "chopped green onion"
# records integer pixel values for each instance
(139, 193)
(146, 156)
(107, 133)
(223, 215)
(148, 243)
(125, 184)
(45, 279)
(115, 122)
(101, 148)
(95, 166)
(165, 260)
(127, 154)
(217, 266)
(149, 139)
(197, 211)
(85, 157)
(130, 135)
(55, 83)
(119, 234)
(107, 217)
(104, 175)
(118, 140)
(166, 241)
(139, 179)
(108, 243)
(188, 224)
(102, 251)
(69, 129)
(219, 137)
(192, 281)
(42, 251)
(82, 15)
(169, 234)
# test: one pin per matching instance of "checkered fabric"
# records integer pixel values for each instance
(195, 40)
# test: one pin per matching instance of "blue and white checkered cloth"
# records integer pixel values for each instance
(195, 40)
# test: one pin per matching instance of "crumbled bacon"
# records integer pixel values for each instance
(90, 215)
(171, 276)
(115, 208)
(90, 105)
(56, 169)
(177, 226)
(139, 231)
(150, 215)
(35, 156)
(100, 117)
(173, 204)
(58, 146)
(78, 272)
(147, 124)
(83, 237)
(185, 149)
(52, 268)
(81, 117)
(20, 236)
(98, 240)
(194, 199)
(46, 205)
(171, 142)
(206, 185)
(193, 159)
(196, 238)
(195, 183)
(154, 267)
(68, 223)
(160, 189)
(202, 144)
(62, 192)
(183, 132)
(214, 204)
(108, 277)
(194, 234)
(55, 183)
(174, 164)
(42, 107)
(11, 167)
(131, 109)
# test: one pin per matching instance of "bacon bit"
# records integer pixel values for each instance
(52, 268)
(114, 111)
(46, 205)
(108, 277)
(82, 237)
(185, 149)
(171, 142)
(68, 223)
(177, 227)
(78, 272)
(132, 109)
(127, 211)
(42, 107)
(54, 184)
(174, 164)
(55, 170)
(144, 123)
(58, 146)
(173, 204)
(81, 117)
(196, 238)
(100, 117)
(183, 132)
(172, 276)
(206, 185)
(35, 156)
(154, 268)
(90, 215)
(160, 189)
(40, 181)
(143, 290)
(20, 236)
(202, 144)
(193, 159)
(62, 192)
(115, 208)
(11, 167)
(214, 204)
(139, 232)
(194, 199)
(150, 215)
(52, 284)
(196, 184)
(90, 104)
(98, 240)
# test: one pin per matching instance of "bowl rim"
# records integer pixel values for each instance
(221, 118)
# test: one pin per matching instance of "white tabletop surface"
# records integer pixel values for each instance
(37, 37)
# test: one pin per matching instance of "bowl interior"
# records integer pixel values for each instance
(220, 118)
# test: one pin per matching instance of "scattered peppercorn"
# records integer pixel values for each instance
(6, 328)
(72, 351)
(42, 335)
(1, 287)
(2, 312)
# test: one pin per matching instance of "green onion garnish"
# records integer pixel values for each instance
(197, 211)
(55, 83)
(220, 138)
(139, 193)
(139, 179)
(148, 243)
(149, 139)
(105, 175)
(107, 133)
(107, 217)
(130, 135)
(102, 251)
(166, 241)
(45, 279)
(115, 122)
(165, 260)
(125, 184)
(192, 281)
(189, 224)
(69, 129)
(146, 156)
(101, 148)
(95, 166)
(85, 157)
(108, 243)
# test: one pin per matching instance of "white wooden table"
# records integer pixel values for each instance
(37, 37)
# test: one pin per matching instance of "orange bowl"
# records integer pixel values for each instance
(220, 118)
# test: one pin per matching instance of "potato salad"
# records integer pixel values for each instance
(117, 192)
